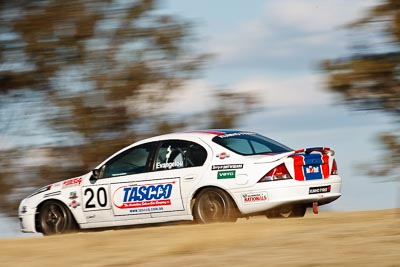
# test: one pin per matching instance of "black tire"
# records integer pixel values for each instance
(287, 212)
(214, 205)
(55, 218)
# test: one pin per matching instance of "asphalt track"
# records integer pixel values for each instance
(368, 238)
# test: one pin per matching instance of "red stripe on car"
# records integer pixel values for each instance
(298, 167)
(325, 165)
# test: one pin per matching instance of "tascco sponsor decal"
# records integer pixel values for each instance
(226, 174)
(254, 197)
(144, 196)
(226, 167)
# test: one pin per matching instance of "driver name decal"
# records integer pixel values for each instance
(169, 165)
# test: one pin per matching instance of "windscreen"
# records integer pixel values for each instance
(247, 143)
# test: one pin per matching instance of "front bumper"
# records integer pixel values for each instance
(27, 218)
(269, 195)
(27, 223)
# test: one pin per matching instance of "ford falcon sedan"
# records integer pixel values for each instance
(203, 176)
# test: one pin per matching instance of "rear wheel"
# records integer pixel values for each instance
(287, 212)
(214, 205)
(55, 218)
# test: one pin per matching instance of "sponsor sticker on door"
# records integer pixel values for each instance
(146, 197)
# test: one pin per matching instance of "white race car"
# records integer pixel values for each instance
(205, 176)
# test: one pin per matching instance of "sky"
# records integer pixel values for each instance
(272, 49)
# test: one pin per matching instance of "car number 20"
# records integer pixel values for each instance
(95, 197)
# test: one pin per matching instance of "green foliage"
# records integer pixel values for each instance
(104, 70)
(370, 78)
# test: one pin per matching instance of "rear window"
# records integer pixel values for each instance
(246, 143)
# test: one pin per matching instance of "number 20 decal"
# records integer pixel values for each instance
(95, 198)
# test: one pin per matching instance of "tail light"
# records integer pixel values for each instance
(278, 173)
(334, 168)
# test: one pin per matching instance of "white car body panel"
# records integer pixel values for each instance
(167, 194)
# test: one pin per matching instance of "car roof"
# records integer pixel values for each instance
(203, 134)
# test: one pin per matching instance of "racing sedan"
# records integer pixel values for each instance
(206, 176)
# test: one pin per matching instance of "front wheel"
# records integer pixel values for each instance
(214, 205)
(55, 218)
(287, 212)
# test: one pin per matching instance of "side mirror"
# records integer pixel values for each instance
(95, 174)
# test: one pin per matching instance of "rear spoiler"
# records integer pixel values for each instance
(273, 158)
(323, 150)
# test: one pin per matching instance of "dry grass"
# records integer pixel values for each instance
(370, 238)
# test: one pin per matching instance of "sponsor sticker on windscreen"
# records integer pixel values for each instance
(319, 189)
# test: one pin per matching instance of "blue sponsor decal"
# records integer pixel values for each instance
(313, 159)
(312, 172)
(161, 191)
(146, 197)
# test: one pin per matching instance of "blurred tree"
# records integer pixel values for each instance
(370, 78)
(103, 71)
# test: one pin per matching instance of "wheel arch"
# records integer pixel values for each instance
(39, 207)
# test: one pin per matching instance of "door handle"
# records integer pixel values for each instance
(189, 178)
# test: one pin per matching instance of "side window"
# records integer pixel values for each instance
(175, 154)
(196, 156)
(239, 145)
(132, 161)
(260, 148)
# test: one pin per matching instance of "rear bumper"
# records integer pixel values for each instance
(269, 195)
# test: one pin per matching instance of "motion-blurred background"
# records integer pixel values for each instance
(81, 79)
